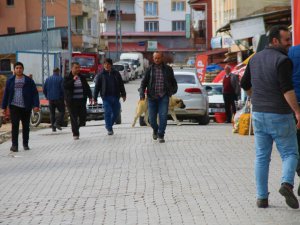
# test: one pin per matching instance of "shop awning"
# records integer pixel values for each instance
(135, 47)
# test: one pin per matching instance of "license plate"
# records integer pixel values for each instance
(96, 110)
(216, 110)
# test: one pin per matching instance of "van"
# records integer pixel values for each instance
(137, 61)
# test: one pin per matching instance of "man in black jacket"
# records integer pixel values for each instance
(160, 83)
(111, 87)
(76, 91)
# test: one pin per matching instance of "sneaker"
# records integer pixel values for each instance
(75, 137)
(286, 190)
(26, 147)
(14, 148)
(110, 132)
(262, 203)
(154, 136)
(58, 127)
(53, 129)
(161, 140)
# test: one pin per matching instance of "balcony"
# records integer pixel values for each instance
(111, 16)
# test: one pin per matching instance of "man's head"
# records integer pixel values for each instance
(157, 58)
(108, 64)
(280, 37)
(56, 70)
(75, 68)
(227, 69)
(18, 69)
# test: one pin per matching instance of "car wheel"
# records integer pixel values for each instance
(204, 120)
(119, 119)
(35, 118)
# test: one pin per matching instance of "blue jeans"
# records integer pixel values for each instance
(112, 108)
(158, 106)
(281, 128)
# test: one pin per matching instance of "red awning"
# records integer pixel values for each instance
(134, 47)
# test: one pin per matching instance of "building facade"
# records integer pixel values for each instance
(19, 16)
(150, 25)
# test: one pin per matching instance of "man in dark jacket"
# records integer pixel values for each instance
(111, 87)
(160, 83)
(54, 92)
(268, 79)
(76, 91)
(21, 96)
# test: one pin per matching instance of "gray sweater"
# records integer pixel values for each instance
(266, 81)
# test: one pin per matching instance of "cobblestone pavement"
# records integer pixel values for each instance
(201, 175)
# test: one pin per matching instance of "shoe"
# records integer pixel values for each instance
(14, 148)
(299, 190)
(58, 127)
(110, 132)
(154, 136)
(26, 147)
(286, 190)
(262, 203)
(53, 129)
(75, 137)
(161, 140)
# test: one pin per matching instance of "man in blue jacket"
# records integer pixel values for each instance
(54, 92)
(294, 55)
(21, 96)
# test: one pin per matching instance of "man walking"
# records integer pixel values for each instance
(160, 83)
(21, 96)
(231, 91)
(76, 92)
(111, 87)
(54, 92)
(268, 79)
(294, 55)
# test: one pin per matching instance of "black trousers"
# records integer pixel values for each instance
(18, 114)
(77, 110)
(60, 106)
(229, 106)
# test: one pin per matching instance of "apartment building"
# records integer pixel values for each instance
(149, 25)
(19, 16)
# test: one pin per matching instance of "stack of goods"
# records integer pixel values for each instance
(211, 72)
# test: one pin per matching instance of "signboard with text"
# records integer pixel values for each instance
(296, 22)
(201, 63)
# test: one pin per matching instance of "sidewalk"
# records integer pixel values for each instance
(201, 175)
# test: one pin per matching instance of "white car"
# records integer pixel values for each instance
(120, 67)
(193, 95)
(215, 95)
(129, 68)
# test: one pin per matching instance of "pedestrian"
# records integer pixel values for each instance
(54, 92)
(76, 92)
(160, 83)
(268, 79)
(231, 91)
(111, 87)
(294, 55)
(21, 96)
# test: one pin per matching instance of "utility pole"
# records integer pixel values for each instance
(45, 47)
(118, 29)
(69, 34)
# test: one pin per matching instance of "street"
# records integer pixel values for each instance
(202, 175)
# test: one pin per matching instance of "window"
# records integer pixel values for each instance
(11, 30)
(151, 8)
(178, 25)
(10, 2)
(151, 26)
(50, 21)
(185, 79)
(178, 6)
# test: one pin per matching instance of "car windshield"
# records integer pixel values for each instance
(215, 89)
(185, 79)
(118, 67)
(41, 95)
(86, 62)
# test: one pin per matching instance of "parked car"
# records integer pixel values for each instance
(129, 68)
(122, 70)
(43, 116)
(216, 101)
(96, 112)
(193, 95)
